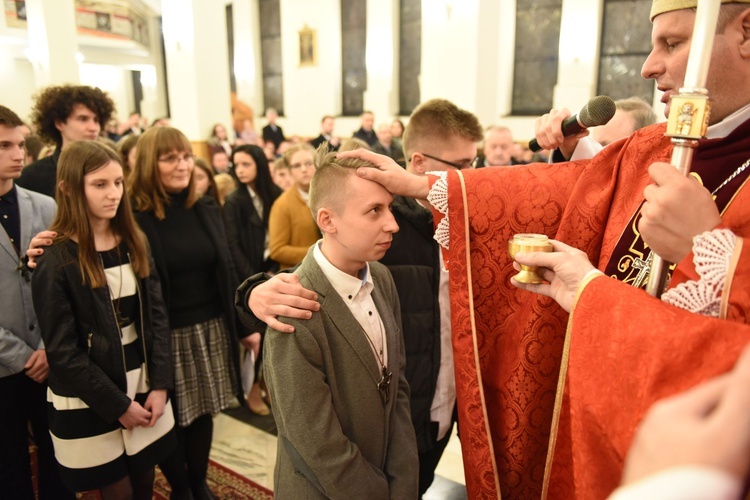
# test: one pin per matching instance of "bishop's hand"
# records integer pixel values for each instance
(563, 271)
(677, 208)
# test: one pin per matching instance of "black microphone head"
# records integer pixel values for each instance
(598, 111)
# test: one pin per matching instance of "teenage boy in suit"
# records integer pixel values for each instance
(338, 387)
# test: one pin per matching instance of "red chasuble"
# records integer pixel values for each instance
(523, 435)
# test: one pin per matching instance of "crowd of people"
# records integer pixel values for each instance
(135, 275)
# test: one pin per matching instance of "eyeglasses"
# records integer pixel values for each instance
(174, 159)
(460, 166)
(306, 164)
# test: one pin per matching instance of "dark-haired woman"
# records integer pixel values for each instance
(246, 218)
(104, 325)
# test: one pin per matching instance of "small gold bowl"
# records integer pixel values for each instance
(527, 242)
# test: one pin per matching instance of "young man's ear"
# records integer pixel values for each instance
(325, 221)
(745, 26)
(418, 163)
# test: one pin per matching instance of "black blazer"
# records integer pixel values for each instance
(41, 176)
(209, 214)
(82, 337)
(277, 137)
(246, 233)
(320, 140)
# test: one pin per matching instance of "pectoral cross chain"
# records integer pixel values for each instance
(384, 384)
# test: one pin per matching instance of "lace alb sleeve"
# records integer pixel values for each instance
(712, 254)
(438, 198)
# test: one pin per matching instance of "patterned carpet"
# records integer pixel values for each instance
(224, 483)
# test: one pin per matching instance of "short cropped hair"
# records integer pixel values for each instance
(8, 118)
(727, 13)
(642, 113)
(56, 103)
(327, 184)
(439, 119)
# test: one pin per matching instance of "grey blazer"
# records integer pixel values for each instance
(19, 331)
(336, 437)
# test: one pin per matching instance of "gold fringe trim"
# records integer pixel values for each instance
(561, 387)
(474, 335)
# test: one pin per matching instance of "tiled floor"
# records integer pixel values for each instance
(252, 453)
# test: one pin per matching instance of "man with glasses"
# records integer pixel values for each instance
(439, 137)
(291, 227)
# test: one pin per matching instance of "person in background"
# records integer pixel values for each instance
(62, 115)
(272, 132)
(188, 241)
(34, 146)
(246, 213)
(248, 134)
(365, 132)
(269, 149)
(291, 227)
(397, 131)
(126, 148)
(220, 139)
(326, 134)
(133, 125)
(386, 146)
(220, 161)
(496, 151)
(104, 325)
(205, 184)
(281, 175)
(225, 184)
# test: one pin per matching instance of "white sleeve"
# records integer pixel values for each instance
(585, 149)
(683, 483)
(438, 198)
(712, 255)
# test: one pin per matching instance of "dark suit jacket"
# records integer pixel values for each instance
(337, 439)
(246, 233)
(320, 140)
(277, 137)
(41, 176)
(396, 153)
(368, 136)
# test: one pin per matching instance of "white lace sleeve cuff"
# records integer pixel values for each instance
(438, 198)
(712, 253)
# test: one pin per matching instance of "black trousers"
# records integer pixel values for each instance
(428, 460)
(24, 402)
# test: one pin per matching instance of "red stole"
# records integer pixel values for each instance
(507, 374)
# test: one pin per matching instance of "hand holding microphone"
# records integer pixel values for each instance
(558, 129)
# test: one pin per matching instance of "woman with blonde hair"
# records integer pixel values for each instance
(104, 326)
(189, 244)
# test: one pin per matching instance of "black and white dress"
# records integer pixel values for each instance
(91, 452)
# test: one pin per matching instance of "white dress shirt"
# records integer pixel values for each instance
(357, 295)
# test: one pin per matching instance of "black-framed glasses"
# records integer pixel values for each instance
(459, 166)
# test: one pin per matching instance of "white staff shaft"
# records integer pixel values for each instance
(702, 43)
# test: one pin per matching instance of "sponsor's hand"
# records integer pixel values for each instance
(135, 416)
(548, 132)
(37, 244)
(707, 426)
(282, 295)
(36, 367)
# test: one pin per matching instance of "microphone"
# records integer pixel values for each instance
(598, 111)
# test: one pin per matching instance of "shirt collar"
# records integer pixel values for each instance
(252, 193)
(11, 196)
(728, 124)
(346, 286)
(305, 196)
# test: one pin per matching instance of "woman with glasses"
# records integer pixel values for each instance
(291, 227)
(187, 239)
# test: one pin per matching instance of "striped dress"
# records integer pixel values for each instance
(91, 452)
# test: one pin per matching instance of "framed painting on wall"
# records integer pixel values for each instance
(308, 47)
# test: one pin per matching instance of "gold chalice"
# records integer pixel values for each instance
(527, 242)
